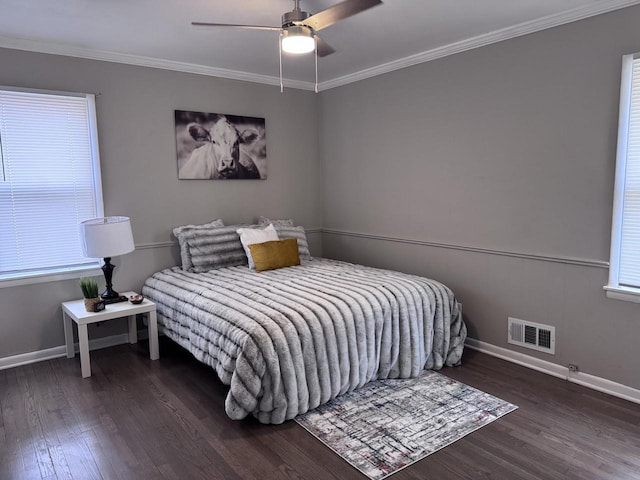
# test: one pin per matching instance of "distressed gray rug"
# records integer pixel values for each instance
(390, 424)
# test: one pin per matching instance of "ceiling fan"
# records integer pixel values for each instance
(298, 33)
(298, 24)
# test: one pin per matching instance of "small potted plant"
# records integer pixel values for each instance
(89, 289)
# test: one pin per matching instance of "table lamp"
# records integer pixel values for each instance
(105, 238)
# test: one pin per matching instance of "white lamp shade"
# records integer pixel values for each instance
(106, 237)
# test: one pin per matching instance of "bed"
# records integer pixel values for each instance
(288, 340)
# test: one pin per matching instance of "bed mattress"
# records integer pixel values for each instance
(288, 340)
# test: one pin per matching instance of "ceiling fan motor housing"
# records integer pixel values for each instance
(290, 18)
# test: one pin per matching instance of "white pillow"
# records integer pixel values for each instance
(249, 236)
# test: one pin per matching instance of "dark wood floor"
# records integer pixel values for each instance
(135, 418)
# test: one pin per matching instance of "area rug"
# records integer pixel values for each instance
(390, 424)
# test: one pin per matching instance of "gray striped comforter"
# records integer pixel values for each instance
(288, 340)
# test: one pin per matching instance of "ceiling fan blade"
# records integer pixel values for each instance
(337, 12)
(324, 48)
(247, 27)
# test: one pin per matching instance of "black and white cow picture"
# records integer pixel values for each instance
(220, 147)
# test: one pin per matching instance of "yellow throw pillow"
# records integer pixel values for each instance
(275, 254)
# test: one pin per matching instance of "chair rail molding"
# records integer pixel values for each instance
(585, 262)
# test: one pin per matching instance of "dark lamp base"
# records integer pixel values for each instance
(109, 301)
(110, 295)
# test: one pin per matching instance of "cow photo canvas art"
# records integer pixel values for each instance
(220, 147)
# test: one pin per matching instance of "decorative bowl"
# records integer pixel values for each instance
(136, 299)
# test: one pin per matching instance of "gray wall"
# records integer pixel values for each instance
(508, 148)
(139, 173)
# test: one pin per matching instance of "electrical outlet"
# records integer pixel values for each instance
(573, 368)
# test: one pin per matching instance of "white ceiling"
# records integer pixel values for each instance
(393, 35)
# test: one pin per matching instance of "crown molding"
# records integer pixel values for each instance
(496, 36)
(550, 21)
(141, 61)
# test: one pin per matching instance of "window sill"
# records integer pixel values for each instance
(91, 271)
(627, 294)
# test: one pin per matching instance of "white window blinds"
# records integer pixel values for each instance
(629, 270)
(50, 181)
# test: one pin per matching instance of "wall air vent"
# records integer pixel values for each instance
(532, 335)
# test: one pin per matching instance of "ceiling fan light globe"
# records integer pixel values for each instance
(298, 39)
(298, 44)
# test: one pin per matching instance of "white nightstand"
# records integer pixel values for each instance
(75, 311)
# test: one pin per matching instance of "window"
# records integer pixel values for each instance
(49, 183)
(624, 270)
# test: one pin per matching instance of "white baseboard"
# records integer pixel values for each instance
(32, 357)
(61, 351)
(553, 369)
(584, 379)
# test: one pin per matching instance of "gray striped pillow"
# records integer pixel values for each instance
(276, 223)
(181, 233)
(185, 228)
(212, 248)
(299, 234)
